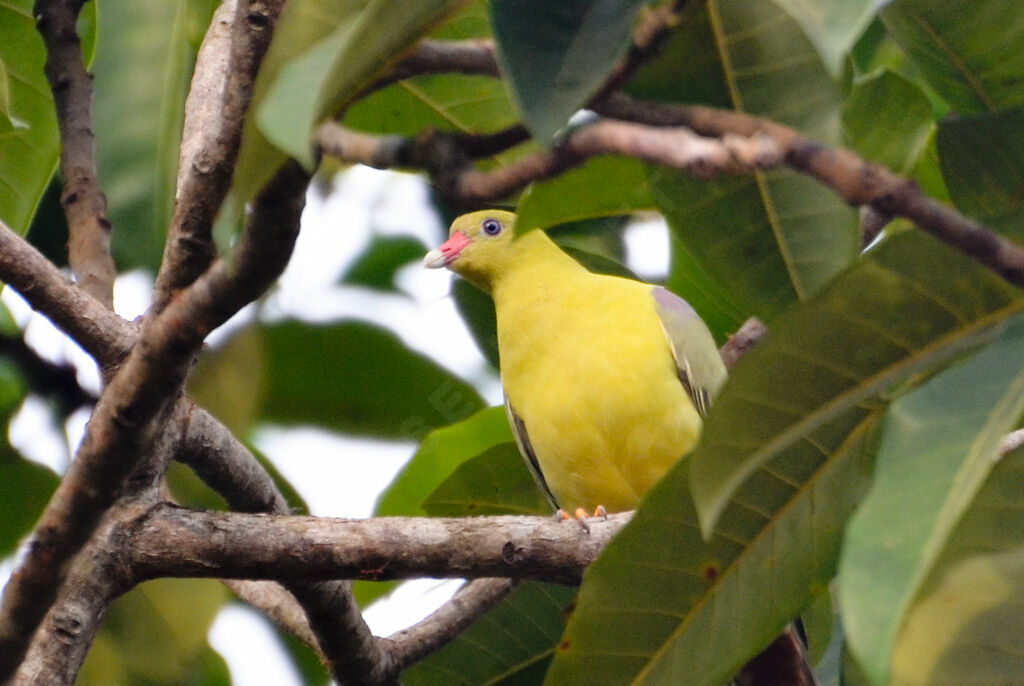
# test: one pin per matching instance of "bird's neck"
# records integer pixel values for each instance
(536, 265)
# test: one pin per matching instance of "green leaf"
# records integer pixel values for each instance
(556, 55)
(143, 69)
(688, 609)
(938, 446)
(447, 102)
(230, 380)
(964, 627)
(25, 488)
(29, 154)
(711, 299)
(328, 76)
(833, 26)
(510, 645)
(153, 637)
(604, 186)
(982, 159)
(887, 119)
(897, 313)
(972, 53)
(442, 452)
(356, 378)
(8, 124)
(495, 482)
(776, 237)
(377, 266)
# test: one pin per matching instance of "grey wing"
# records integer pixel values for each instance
(698, 363)
(523, 441)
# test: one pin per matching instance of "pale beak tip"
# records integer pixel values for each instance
(434, 259)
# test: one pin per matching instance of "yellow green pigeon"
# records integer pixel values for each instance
(606, 379)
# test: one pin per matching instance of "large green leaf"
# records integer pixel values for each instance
(25, 488)
(442, 452)
(334, 66)
(556, 55)
(937, 448)
(8, 123)
(143, 68)
(965, 627)
(711, 299)
(604, 186)
(356, 378)
(150, 636)
(833, 26)
(377, 266)
(494, 482)
(982, 159)
(30, 148)
(887, 119)
(686, 610)
(972, 53)
(509, 646)
(774, 237)
(447, 102)
(895, 314)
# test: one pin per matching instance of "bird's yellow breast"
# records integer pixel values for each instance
(587, 367)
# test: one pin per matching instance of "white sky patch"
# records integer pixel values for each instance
(255, 655)
(35, 436)
(647, 248)
(338, 476)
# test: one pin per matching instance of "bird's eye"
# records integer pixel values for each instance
(492, 227)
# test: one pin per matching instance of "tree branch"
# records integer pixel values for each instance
(84, 203)
(172, 541)
(103, 334)
(59, 647)
(128, 416)
(220, 93)
(464, 187)
(859, 182)
(426, 637)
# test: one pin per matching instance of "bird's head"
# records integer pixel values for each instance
(479, 247)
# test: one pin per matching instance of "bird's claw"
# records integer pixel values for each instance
(581, 516)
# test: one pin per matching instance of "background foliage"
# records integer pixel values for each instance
(861, 439)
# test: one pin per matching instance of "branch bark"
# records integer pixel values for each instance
(128, 417)
(83, 201)
(172, 541)
(463, 187)
(221, 90)
(857, 181)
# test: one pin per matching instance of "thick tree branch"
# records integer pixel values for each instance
(128, 416)
(859, 182)
(172, 541)
(221, 90)
(84, 203)
(465, 187)
(96, 578)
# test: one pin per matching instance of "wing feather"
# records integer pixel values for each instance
(523, 441)
(698, 363)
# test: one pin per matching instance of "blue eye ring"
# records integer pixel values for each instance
(491, 227)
